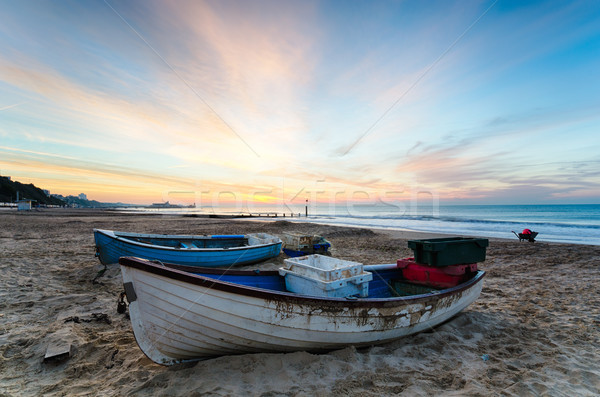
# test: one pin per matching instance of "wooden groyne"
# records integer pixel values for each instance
(248, 215)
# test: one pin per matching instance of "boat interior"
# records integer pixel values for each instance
(198, 242)
(385, 284)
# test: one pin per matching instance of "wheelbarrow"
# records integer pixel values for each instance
(526, 236)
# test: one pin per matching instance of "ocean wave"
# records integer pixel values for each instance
(453, 219)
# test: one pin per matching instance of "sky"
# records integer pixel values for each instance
(216, 102)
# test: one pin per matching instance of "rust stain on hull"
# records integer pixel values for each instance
(374, 318)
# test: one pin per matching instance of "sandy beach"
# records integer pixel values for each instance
(535, 330)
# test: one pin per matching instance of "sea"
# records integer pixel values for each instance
(569, 223)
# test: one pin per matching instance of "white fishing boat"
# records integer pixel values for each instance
(179, 316)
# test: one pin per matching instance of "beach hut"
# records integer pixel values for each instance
(24, 205)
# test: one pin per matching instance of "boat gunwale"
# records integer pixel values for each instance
(122, 237)
(176, 272)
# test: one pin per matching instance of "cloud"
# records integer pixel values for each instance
(65, 174)
(12, 106)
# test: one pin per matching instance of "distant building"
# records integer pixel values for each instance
(82, 196)
(161, 205)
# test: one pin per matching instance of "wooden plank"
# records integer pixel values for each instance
(58, 351)
(60, 345)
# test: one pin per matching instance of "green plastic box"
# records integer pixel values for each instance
(449, 251)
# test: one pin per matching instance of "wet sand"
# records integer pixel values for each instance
(535, 330)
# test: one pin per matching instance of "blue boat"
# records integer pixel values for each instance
(205, 251)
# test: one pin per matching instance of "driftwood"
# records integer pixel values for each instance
(60, 345)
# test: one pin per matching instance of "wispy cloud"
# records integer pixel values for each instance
(12, 106)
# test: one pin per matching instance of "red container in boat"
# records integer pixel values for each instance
(436, 277)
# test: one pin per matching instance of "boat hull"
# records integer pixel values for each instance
(178, 316)
(110, 246)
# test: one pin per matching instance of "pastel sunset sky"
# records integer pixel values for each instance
(486, 102)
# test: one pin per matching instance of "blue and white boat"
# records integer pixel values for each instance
(189, 250)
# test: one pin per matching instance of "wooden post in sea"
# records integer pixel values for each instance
(306, 208)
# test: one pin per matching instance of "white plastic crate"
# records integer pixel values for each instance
(297, 241)
(324, 268)
(319, 275)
